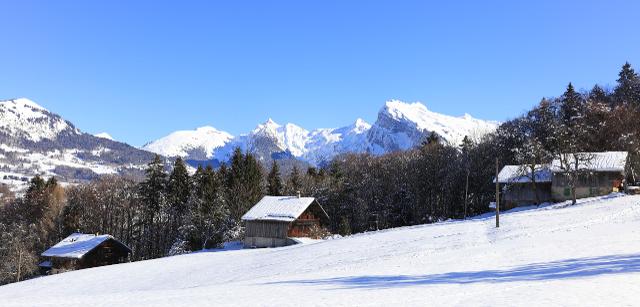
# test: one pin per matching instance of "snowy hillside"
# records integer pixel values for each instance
(559, 255)
(24, 118)
(35, 141)
(399, 126)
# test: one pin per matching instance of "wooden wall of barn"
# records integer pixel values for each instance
(266, 229)
(517, 194)
(588, 185)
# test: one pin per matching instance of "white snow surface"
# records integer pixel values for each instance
(104, 135)
(558, 255)
(610, 161)
(76, 245)
(181, 143)
(278, 208)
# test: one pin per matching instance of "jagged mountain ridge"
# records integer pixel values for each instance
(399, 126)
(35, 141)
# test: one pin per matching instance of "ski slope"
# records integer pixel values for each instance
(558, 255)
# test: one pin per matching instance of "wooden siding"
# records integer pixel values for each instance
(267, 229)
(588, 185)
(517, 194)
(303, 225)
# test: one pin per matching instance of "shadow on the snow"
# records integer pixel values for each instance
(570, 268)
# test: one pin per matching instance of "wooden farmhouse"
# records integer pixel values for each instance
(598, 173)
(81, 251)
(276, 220)
(519, 187)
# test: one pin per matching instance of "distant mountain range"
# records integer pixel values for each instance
(35, 141)
(399, 126)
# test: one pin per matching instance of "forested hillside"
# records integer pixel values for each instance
(173, 212)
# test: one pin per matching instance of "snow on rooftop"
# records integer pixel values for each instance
(608, 161)
(76, 245)
(522, 174)
(278, 208)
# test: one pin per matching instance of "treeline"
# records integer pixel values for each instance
(172, 212)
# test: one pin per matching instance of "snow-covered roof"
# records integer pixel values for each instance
(76, 245)
(608, 161)
(279, 208)
(522, 174)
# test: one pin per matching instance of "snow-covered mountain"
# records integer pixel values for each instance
(399, 126)
(196, 144)
(34, 141)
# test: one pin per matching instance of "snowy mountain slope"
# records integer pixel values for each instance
(559, 255)
(24, 118)
(34, 141)
(195, 144)
(399, 126)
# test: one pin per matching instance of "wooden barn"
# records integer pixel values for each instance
(81, 251)
(275, 220)
(518, 187)
(600, 173)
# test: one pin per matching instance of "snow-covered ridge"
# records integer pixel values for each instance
(183, 143)
(35, 141)
(399, 126)
(104, 135)
(25, 118)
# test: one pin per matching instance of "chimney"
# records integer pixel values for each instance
(298, 193)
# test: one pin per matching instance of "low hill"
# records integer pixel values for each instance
(582, 255)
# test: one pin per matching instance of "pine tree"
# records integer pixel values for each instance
(598, 94)
(628, 90)
(178, 192)
(274, 183)
(152, 191)
(245, 183)
(295, 181)
(571, 107)
(178, 187)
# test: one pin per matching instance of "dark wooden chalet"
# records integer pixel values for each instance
(275, 220)
(599, 173)
(520, 187)
(81, 251)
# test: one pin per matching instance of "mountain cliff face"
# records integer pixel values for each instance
(399, 126)
(34, 141)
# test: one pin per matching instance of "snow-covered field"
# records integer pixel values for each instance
(582, 255)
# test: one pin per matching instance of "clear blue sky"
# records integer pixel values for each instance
(142, 69)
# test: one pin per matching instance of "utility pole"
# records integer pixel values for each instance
(19, 264)
(497, 196)
(466, 194)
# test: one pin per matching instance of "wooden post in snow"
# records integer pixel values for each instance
(497, 196)
(19, 265)
(466, 194)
